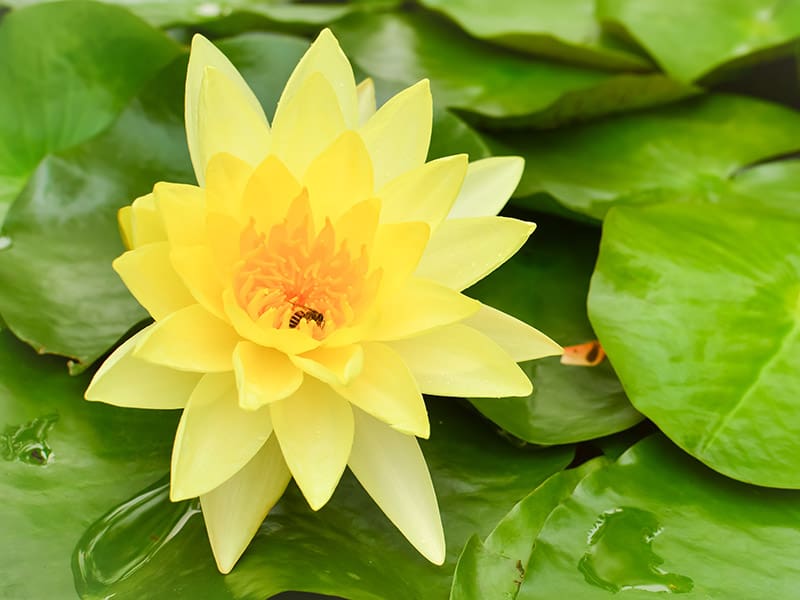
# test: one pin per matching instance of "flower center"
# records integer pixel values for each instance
(294, 277)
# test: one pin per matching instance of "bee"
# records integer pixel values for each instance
(309, 314)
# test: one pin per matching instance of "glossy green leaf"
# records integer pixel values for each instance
(698, 308)
(658, 522)
(692, 39)
(772, 188)
(62, 233)
(63, 463)
(566, 30)
(495, 569)
(545, 284)
(505, 87)
(683, 148)
(67, 71)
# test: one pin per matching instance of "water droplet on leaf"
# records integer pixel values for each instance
(28, 442)
(5, 242)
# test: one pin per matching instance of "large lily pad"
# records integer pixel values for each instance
(565, 30)
(692, 39)
(682, 149)
(658, 521)
(67, 71)
(545, 284)
(698, 308)
(512, 89)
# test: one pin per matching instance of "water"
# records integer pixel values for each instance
(620, 555)
(128, 536)
(28, 442)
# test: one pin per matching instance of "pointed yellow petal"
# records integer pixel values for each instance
(226, 179)
(269, 192)
(234, 511)
(397, 251)
(425, 193)
(315, 429)
(148, 274)
(365, 92)
(191, 339)
(124, 220)
(215, 437)
(124, 380)
(205, 54)
(457, 360)
(391, 468)
(263, 375)
(488, 186)
(306, 124)
(195, 266)
(340, 177)
(332, 365)
(398, 135)
(387, 390)
(463, 251)
(418, 306)
(325, 56)
(518, 339)
(223, 236)
(182, 209)
(146, 226)
(357, 226)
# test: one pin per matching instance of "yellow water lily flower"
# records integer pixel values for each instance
(308, 291)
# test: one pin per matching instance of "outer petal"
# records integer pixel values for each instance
(145, 224)
(518, 339)
(125, 222)
(182, 210)
(463, 251)
(398, 135)
(488, 186)
(425, 193)
(215, 437)
(195, 266)
(205, 54)
(392, 470)
(263, 375)
(325, 56)
(226, 178)
(148, 274)
(124, 380)
(332, 365)
(387, 390)
(234, 511)
(457, 360)
(191, 339)
(315, 430)
(365, 91)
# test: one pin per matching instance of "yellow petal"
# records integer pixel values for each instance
(391, 468)
(196, 268)
(357, 226)
(397, 251)
(124, 220)
(215, 437)
(226, 179)
(365, 92)
(325, 56)
(205, 54)
(306, 124)
(182, 209)
(332, 365)
(387, 390)
(488, 186)
(191, 339)
(418, 306)
(263, 375)
(518, 339)
(340, 177)
(223, 236)
(463, 251)
(457, 360)
(269, 192)
(398, 135)
(234, 511)
(148, 274)
(425, 193)
(315, 429)
(146, 225)
(124, 380)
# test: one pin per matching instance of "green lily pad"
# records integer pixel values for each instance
(564, 31)
(63, 463)
(545, 284)
(495, 569)
(680, 149)
(690, 40)
(62, 233)
(698, 308)
(771, 188)
(67, 71)
(510, 90)
(658, 521)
